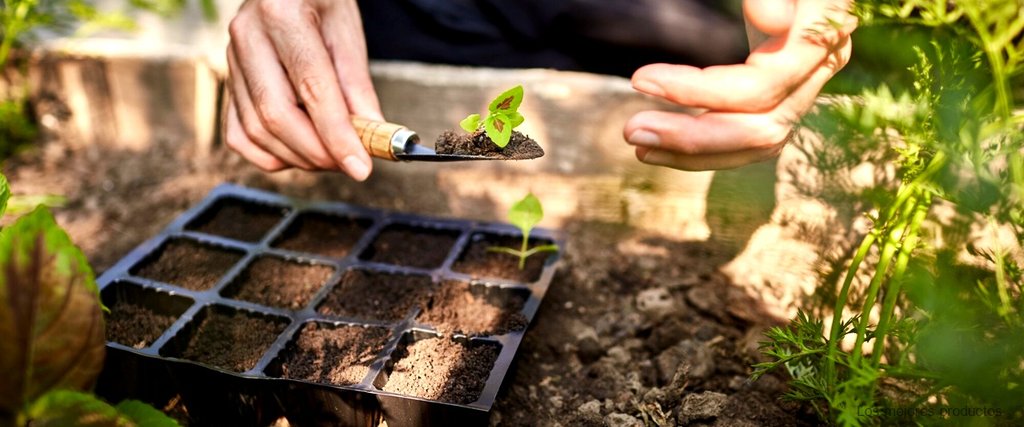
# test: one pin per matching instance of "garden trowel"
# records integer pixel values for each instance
(396, 142)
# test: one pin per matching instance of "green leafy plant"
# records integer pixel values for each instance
(52, 324)
(946, 331)
(502, 116)
(525, 214)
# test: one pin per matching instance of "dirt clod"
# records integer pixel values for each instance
(520, 147)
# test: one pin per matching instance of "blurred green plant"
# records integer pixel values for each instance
(53, 329)
(936, 327)
(19, 19)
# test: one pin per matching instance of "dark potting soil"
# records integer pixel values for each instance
(336, 355)
(322, 234)
(456, 308)
(412, 247)
(238, 220)
(188, 264)
(276, 282)
(233, 341)
(442, 369)
(136, 325)
(478, 262)
(377, 296)
(520, 147)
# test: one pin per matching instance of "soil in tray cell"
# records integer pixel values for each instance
(377, 296)
(239, 220)
(322, 234)
(138, 316)
(275, 282)
(188, 264)
(324, 353)
(478, 262)
(442, 369)
(411, 246)
(458, 307)
(226, 338)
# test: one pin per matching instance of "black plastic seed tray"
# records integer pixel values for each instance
(252, 306)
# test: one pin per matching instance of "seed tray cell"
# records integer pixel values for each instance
(252, 306)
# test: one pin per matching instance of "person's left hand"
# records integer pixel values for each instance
(751, 107)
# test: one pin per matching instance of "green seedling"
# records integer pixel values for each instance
(525, 214)
(502, 116)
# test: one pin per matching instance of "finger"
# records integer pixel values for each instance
(714, 132)
(273, 100)
(703, 162)
(253, 125)
(347, 47)
(309, 66)
(772, 17)
(236, 139)
(773, 70)
(708, 133)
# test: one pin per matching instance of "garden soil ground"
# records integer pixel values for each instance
(634, 327)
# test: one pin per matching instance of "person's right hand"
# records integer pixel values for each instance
(297, 71)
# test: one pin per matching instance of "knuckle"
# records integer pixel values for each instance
(310, 88)
(237, 28)
(323, 162)
(271, 116)
(271, 10)
(254, 130)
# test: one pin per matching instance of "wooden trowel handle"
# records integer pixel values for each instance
(381, 139)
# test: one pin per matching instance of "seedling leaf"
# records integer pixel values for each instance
(516, 119)
(525, 214)
(470, 124)
(498, 129)
(508, 101)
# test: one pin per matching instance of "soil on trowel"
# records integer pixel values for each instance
(412, 247)
(238, 220)
(335, 355)
(520, 147)
(233, 341)
(442, 369)
(322, 235)
(459, 307)
(479, 262)
(275, 282)
(377, 296)
(188, 264)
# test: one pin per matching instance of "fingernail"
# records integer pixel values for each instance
(648, 87)
(355, 167)
(644, 138)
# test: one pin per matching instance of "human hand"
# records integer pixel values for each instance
(751, 107)
(297, 71)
